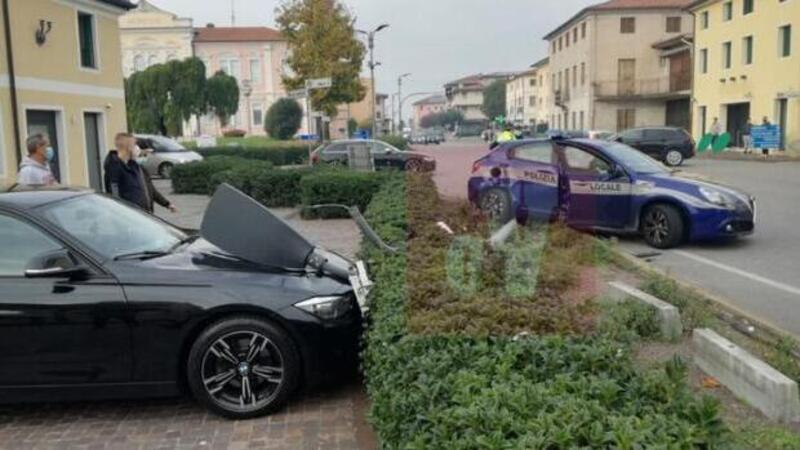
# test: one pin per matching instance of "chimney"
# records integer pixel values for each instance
(210, 25)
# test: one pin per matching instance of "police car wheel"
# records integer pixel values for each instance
(496, 204)
(674, 158)
(662, 226)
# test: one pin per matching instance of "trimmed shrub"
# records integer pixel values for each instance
(197, 177)
(234, 133)
(280, 188)
(283, 119)
(343, 186)
(395, 140)
(283, 154)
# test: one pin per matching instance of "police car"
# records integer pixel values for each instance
(609, 187)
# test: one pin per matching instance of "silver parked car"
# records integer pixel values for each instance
(164, 154)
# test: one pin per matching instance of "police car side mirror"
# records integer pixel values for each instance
(618, 172)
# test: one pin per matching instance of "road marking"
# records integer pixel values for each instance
(772, 283)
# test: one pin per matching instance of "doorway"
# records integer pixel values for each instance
(783, 105)
(91, 130)
(44, 122)
(626, 77)
(738, 113)
(678, 114)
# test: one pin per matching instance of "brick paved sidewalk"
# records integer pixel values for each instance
(326, 418)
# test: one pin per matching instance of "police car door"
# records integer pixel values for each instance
(534, 167)
(595, 197)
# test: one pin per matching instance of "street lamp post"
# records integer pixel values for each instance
(372, 65)
(400, 97)
(247, 90)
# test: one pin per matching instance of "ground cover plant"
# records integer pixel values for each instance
(462, 381)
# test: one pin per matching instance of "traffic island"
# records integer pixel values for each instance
(668, 316)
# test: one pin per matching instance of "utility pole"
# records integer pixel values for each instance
(372, 65)
(233, 13)
(400, 106)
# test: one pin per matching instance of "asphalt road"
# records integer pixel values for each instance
(759, 275)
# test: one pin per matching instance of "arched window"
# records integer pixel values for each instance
(139, 63)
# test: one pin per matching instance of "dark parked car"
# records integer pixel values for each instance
(384, 155)
(99, 300)
(670, 145)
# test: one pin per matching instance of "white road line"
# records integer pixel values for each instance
(772, 283)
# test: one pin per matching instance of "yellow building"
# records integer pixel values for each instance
(61, 74)
(747, 64)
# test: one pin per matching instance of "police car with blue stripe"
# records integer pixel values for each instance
(609, 187)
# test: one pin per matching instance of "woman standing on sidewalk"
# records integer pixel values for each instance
(747, 136)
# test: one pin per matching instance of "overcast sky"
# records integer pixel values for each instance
(436, 40)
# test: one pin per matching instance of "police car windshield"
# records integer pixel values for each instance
(633, 159)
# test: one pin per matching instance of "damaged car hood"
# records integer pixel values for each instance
(243, 227)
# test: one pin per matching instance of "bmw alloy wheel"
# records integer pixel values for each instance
(242, 371)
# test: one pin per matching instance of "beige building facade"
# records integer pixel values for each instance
(466, 94)
(65, 81)
(433, 104)
(610, 69)
(528, 96)
(150, 35)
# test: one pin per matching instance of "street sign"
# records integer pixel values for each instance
(319, 83)
(766, 136)
(297, 94)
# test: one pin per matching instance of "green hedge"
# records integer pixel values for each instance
(339, 186)
(458, 391)
(280, 154)
(198, 177)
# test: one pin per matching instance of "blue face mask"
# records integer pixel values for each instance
(50, 154)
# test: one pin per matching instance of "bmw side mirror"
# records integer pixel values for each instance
(55, 264)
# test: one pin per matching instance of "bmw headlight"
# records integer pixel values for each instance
(714, 196)
(327, 308)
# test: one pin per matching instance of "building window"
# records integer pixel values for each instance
(575, 34)
(581, 123)
(583, 74)
(704, 60)
(531, 101)
(627, 25)
(727, 11)
(626, 118)
(726, 55)
(785, 40)
(704, 20)
(673, 24)
(258, 115)
(566, 39)
(554, 47)
(139, 63)
(747, 7)
(583, 30)
(574, 76)
(255, 70)
(574, 120)
(747, 50)
(230, 66)
(532, 82)
(560, 43)
(86, 41)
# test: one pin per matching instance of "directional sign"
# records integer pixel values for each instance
(319, 83)
(297, 94)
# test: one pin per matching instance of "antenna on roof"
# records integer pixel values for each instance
(233, 13)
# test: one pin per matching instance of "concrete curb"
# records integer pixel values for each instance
(669, 317)
(751, 379)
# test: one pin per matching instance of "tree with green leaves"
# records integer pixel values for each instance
(443, 119)
(222, 94)
(494, 99)
(283, 119)
(160, 98)
(322, 38)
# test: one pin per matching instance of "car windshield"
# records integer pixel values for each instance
(633, 160)
(110, 228)
(167, 145)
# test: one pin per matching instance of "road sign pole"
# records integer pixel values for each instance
(308, 123)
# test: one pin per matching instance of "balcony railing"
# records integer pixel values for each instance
(650, 87)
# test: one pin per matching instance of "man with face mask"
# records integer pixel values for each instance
(35, 168)
(125, 179)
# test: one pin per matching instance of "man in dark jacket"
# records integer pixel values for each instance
(125, 179)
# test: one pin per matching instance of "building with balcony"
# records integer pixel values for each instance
(466, 94)
(252, 55)
(61, 75)
(528, 96)
(361, 112)
(748, 66)
(622, 64)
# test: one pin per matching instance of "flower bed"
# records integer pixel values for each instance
(462, 380)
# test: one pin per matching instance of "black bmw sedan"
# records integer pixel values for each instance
(100, 300)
